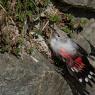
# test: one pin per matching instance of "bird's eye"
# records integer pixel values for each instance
(58, 35)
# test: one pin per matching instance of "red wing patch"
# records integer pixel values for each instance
(76, 63)
(79, 63)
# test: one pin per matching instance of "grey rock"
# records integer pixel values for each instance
(81, 3)
(88, 33)
(29, 77)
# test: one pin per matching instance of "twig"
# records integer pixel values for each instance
(7, 14)
(45, 25)
(3, 8)
(34, 59)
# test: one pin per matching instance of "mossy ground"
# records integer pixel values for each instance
(20, 19)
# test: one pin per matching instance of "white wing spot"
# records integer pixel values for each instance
(89, 76)
(86, 79)
(91, 73)
(80, 79)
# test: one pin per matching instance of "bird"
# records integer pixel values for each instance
(73, 56)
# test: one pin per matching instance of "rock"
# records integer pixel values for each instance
(32, 75)
(88, 33)
(81, 3)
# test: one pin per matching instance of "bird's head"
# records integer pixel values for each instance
(58, 40)
(55, 41)
(54, 37)
(57, 37)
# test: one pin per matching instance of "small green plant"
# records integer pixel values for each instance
(54, 18)
(26, 8)
(70, 17)
(83, 21)
(30, 50)
(66, 29)
(46, 2)
(4, 49)
(20, 41)
(16, 51)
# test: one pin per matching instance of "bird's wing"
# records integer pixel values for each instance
(68, 58)
(79, 67)
(81, 50)
(87, 73)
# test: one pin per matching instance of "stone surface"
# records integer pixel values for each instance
(81, 3)
(88, 33)
(30, 76)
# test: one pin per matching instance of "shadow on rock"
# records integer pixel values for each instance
(76, 11)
